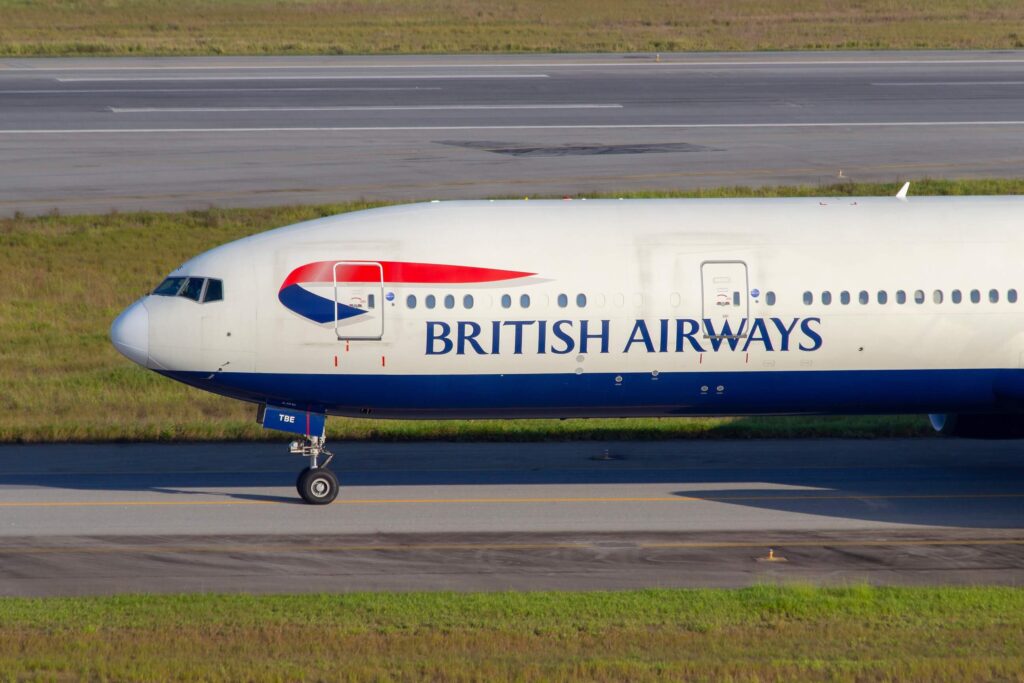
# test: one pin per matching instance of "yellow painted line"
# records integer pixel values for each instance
(133, 503)
(519, 501)
(776, 543)
(514, 501)
(501, 501)
(673, 499)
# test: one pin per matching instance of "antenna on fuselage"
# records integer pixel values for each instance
(902, 194)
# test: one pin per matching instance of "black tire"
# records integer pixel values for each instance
(318, 486)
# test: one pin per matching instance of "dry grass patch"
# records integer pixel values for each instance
(263, 27)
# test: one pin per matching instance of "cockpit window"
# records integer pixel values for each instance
(193, 289)
(214, 291)
(169, 287)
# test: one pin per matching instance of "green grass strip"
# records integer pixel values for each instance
(65, 278)
(296, 27)
(764, 633)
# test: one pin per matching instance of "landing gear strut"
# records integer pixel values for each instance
(316, 484)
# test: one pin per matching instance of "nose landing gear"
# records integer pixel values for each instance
(316, 484)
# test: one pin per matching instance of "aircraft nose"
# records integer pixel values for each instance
(130, 333)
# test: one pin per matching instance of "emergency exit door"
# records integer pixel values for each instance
(359, 300)
(726, 298)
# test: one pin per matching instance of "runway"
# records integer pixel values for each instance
(82, 519)
(94, 135)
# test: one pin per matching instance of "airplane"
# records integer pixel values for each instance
(604, 308)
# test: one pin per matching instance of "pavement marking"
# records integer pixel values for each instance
(519, 501)
(916, 83)
(138, 503)
(133, 91)
(596, 126)
(775, 543)
(370, 107)
(377, 77)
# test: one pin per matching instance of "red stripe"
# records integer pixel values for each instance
(399, 272)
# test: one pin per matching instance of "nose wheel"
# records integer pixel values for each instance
(316, 484)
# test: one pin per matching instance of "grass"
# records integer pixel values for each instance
(763, 633)
(64, 279)
(331, 27)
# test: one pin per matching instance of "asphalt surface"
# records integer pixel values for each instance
(84, 519)
(92, 135)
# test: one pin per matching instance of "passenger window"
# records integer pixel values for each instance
(883, 296)
(429, 301)
(826, 298)
(769, 298)
(975, 296)
(169, 287)
(863, 297)
(901, 297)
(937, 296)
(449, 301)
(956, 296)
(808, 298)
(193, 289)
(214, 291)
(918, 296)
(581, 300)
(844, 298)
(467, 301)
(371, 301)
(1011, 296)
(410, 301)
(524, 300)
(563, 301)
(993, 296)
(506, 301)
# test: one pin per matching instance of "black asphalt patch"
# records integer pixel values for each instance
(596, 149)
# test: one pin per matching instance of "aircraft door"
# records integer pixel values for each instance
(725, 297)
(359, 299)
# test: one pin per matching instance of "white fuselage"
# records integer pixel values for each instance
(605, 307)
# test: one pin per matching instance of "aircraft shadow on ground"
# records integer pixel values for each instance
(954, 508)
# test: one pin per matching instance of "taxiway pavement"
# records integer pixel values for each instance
(80, 519)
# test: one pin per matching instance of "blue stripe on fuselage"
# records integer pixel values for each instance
(682, 393)
(316, 308)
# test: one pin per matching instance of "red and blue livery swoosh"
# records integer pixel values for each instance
(298, 299)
